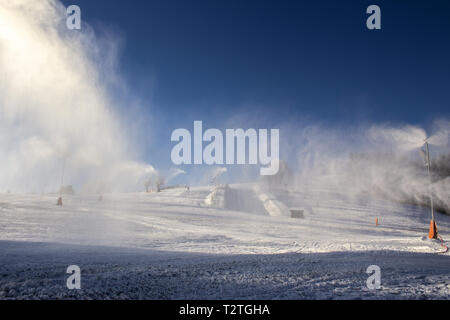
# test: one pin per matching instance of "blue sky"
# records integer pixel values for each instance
(263, 63)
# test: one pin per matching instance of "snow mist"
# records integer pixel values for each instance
(56, 110)
(382, 161)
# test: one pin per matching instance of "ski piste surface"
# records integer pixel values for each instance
(222, 242)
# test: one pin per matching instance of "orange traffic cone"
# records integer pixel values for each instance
(376, 221)
(59, 202)
(433, 234)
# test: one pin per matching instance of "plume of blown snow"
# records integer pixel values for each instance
(174, 172)
(380, 160)
(215, 173)
(56, 111)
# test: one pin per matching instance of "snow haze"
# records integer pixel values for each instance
(56, 108)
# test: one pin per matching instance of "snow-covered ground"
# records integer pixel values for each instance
(235, 242)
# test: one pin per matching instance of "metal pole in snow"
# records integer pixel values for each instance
(62, 177)
(429, 177)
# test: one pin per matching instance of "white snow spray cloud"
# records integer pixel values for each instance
(173, 173)
(404, 138)
(216, 173)
(381, 160)
(55, 107)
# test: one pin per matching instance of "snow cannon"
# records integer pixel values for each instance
(59, 202)
(433, 234)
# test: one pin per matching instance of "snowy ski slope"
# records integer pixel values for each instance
(236, 241)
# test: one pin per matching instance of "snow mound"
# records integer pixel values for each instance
(216, 198)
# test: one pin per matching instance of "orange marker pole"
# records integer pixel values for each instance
(433, 233)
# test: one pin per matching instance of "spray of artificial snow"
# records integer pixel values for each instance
(380, 160)
(173, 173)
(56, 110)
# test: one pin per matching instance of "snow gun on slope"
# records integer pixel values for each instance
(433, 232)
